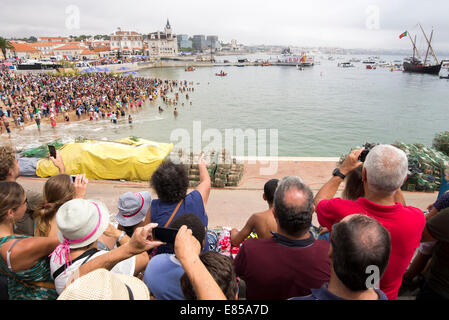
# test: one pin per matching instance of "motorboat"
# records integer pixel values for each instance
(221, 74)
(190, 68)
(345, 65)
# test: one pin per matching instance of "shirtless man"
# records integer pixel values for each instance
(261, 222)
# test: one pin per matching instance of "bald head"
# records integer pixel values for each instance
(293, 205)
(358, 242)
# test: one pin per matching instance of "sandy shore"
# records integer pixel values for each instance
(232, 206)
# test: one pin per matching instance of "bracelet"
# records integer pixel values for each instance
(121, 236)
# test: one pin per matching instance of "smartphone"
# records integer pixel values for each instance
(52, 151)
(167, 235)
(73, 177)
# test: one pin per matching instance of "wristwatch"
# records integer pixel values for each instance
(337, 173)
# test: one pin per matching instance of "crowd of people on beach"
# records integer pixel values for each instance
(29, 98)
(59, 245)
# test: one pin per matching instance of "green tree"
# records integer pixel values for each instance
(4, 45)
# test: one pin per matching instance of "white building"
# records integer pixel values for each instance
(126, 42)
(162, 43)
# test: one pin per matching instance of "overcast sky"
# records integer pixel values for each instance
(342, 23)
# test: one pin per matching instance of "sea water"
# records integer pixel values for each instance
(322, 110)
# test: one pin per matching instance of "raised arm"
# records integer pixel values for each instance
(187, 250)
(140, 242)
(58, 162)
(330, 188)
(205, 183)
(27, 252)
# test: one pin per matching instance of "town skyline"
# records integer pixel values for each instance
(347, 24)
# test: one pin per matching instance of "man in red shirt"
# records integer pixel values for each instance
(384, 172)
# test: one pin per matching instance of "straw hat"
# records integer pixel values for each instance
(133, 208)
(81, 222)
(102, 284)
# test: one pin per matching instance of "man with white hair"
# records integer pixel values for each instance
(384, 171)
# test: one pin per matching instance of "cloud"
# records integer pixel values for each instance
(344, 23)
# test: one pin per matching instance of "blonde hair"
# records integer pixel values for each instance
(57, 190)
(7, 161)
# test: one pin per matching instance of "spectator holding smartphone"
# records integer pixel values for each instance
(164, 271)
(170, 181)
(57, 190)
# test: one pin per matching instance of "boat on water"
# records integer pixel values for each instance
(287, 58)
(369, 61)
(221, 74)
(415, 64)
(32, 64)
(265, 64)
(190, 68)
(371, 67)
(345, 65)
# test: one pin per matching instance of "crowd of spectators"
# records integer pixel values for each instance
(59, 245)
(29, 98)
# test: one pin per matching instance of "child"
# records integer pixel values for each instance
(132, 210)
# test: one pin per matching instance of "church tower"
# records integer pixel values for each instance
(168, 30)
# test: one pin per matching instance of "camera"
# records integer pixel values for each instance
(368, 147)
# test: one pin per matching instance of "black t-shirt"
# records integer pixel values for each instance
(438, 278)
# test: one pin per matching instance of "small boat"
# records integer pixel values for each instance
(345, 65)
(221, 74)
(265, 63)
(37, 65)
(190, 68)
(371, 67)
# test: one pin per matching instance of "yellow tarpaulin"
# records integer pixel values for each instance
(102, 160)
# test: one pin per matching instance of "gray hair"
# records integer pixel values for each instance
(293, 218)
(386, 168)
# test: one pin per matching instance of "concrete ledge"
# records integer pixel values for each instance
(302, 159)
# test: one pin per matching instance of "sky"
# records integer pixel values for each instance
(368, 24)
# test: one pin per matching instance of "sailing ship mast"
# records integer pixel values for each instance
(427, 52)
(414, 47)
(430, 46)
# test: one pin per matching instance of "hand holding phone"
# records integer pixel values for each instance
(52, 151)
(167, 235)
